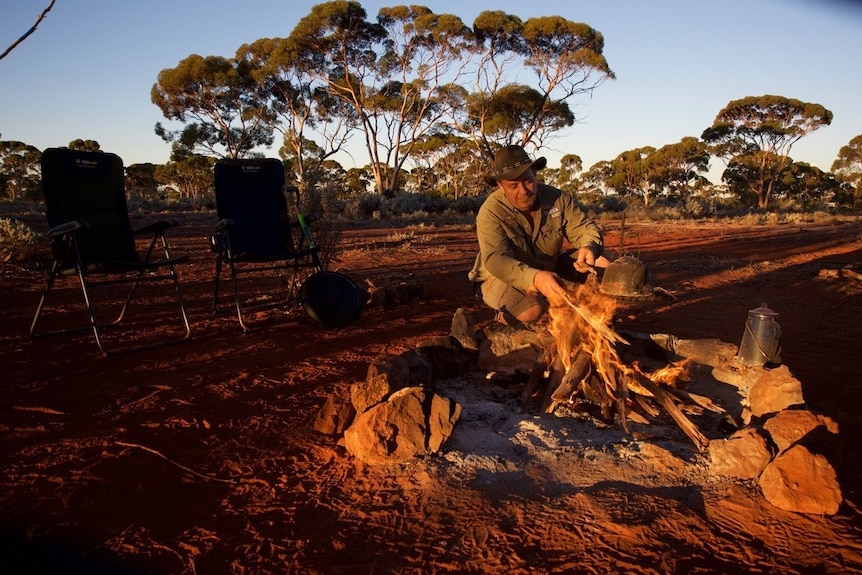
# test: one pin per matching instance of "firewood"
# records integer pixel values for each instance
(633, 415)
(594, 390)
(666, 400)
(555, 378)
(537, 374)
(643, 403)
(843, 272)
(700, 400)
(596, 322)
(568, 386)
(848, 273)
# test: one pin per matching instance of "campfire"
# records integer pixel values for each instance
(583, 367)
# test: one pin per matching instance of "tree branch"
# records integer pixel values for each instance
(30, 31)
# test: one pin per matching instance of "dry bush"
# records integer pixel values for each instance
(18, 242)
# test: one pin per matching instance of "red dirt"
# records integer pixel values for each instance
(200, 457)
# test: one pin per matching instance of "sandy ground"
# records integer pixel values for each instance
(200, 457)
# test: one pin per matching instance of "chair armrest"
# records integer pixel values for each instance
(157, 227)
(67, 228)
(222, 225)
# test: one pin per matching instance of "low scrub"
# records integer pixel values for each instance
(18, 242)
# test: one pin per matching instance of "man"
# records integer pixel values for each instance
(521, 227)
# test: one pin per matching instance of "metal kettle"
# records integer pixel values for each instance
(761, 338)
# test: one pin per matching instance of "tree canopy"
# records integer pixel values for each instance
(393, 80)
(759, 132)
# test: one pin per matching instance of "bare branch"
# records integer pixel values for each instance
(30, 31)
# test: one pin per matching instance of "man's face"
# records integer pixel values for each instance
(521, 193)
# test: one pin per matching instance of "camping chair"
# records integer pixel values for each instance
(256, 232)
(261, 228)
(92, 238)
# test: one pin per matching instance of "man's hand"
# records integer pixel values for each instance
(586, 261)
(548, 284)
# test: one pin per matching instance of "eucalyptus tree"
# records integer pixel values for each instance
(502, 116)
(595, 179)
(633, 173)
(452, 162)
(565, 58)
(759, 133)
(567, 176)
(313, 124)
(809, 185)
(141, 183)
(20, 173)
(848, 166)
(85, 145)
(677, 168)
(188, 177)
(395, 74)
(219, 101)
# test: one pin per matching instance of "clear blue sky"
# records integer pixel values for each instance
(87, 70)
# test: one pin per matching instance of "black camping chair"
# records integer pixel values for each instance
(92, 239)
(257, 232)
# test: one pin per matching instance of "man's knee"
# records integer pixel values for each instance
(532, 313)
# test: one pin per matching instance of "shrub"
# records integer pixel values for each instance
(18, 242)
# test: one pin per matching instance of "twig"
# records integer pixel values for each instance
(30, 31)
(169, 460)
(47, 410)
(595, 322)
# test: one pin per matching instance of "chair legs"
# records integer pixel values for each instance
(235, 271)
(95, 325)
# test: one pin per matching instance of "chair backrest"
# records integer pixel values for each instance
(251, 193)
(89, 186)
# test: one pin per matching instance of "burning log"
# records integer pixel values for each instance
(569, 380)
(584, 363)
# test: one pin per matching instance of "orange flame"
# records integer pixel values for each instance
(571, 331)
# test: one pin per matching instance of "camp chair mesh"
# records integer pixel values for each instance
(92, 239)
(257, 233)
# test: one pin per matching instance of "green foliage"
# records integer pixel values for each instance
(220, 102)
(848, 166)
(85, 145)
(189, 178)
(364, 206)
(18, 242)
(20, 174)
(757, 133)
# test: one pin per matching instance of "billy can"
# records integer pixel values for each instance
(760, 340)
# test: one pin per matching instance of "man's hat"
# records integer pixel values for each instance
(510, 162)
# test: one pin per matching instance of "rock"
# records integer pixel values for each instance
(443, 416)
(386, 374)
(743, 455)
(446, 356)
(464, 329)
(774, 390)
(508, 348)
(803, 482)
(401, 291)
(395, 367)
(787, 427)
(420, 368)
(401, 428)
(712, 352)
(366, 394)
(334, 416)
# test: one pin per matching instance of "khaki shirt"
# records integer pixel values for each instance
(514, 247)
